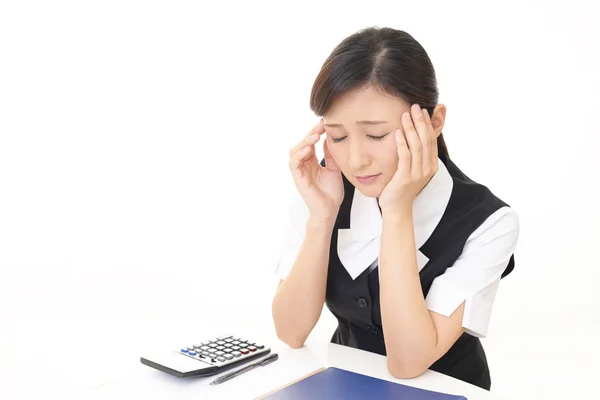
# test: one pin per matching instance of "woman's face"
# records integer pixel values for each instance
(360, 130)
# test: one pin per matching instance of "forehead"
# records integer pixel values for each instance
(364, 104)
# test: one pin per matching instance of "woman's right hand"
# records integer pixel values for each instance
(321, 188)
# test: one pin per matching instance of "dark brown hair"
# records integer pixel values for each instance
(390, 60)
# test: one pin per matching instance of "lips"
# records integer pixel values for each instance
(366, 178)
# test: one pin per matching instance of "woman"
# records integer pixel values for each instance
(404, 249)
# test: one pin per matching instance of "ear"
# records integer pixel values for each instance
(438, 118)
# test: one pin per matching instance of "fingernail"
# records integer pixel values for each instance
(416, 107)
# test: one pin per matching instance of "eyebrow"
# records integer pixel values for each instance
(358, 122)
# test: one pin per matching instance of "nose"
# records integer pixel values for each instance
(358, 157)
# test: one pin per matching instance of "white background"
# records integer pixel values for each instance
(144, 180)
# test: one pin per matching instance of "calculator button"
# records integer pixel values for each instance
(205, 353)
(244, 351)
(214, 345)
(228, 340)
(250, 344)
(251, 348)
(219, 353)
(235, 348)
(204, 348)
(192, 353)
(223, 337)
(242, 340)
(260, 346)
(205, 343)
(227, 350)
(221, 359)
(220, 348)
(236, 354)
(228, 357)
(235, 343)
(227, 345)
(220, 343)
(184, 350)
(190, 348)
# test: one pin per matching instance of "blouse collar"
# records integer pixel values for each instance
(359, 246)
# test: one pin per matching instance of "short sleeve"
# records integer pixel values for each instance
(293, 236)
(475, 276)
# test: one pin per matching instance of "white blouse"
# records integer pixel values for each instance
(473, 278)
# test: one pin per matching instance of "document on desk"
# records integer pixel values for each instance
(334, 383)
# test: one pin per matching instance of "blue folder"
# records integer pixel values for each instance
(334, 383)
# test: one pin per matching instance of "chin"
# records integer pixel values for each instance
(369, 190)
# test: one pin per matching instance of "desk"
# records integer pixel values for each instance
(148, 383)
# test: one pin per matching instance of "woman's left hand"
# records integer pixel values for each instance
(417, 161)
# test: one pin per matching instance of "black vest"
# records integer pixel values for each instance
(355, 303)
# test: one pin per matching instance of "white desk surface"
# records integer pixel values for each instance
(146, 383)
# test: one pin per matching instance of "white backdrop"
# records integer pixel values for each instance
(144, 180)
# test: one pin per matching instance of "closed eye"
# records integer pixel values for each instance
(378, 137)
(337, 140)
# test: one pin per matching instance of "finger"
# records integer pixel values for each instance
(318, 129)
(403, 152)
(414, 145)
(299, 158)
(421, 128)
(330, 163)
(308, 141)
(433, 156)
(311, 138)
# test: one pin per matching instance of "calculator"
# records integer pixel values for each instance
(209, 357)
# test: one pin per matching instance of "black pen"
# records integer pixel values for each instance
(260, 363)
